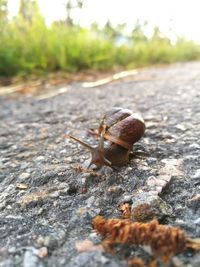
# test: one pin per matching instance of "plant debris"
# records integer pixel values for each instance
(165, 241)
(81, 169)
(136, 262)
(126, 210)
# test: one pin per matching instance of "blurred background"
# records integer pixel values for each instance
(50, 36)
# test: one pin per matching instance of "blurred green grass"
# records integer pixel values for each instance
(33, 48)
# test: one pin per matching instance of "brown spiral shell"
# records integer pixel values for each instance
(122, 127)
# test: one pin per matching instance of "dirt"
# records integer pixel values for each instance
(47, 204)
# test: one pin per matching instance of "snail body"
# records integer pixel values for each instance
(121, 128)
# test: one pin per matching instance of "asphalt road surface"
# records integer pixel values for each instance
(47, 204)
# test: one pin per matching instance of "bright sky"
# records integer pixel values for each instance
(182, 16)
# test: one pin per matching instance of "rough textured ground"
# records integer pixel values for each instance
(46, 203)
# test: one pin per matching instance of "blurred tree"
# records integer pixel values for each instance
(109, 30)
(138, 32)
(28, 9)
(114, 32)
(3, 13)
(159, 36)
(70, 5)
(95, 27)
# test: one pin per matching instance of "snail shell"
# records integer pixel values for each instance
(122, 127)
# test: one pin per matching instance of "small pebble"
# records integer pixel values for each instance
(31, 260)
(23, 176)
(40, 158)
(197, 221)
(196, 175)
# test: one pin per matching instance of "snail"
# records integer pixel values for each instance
(121, 128)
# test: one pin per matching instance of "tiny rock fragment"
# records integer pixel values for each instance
(196, 174)
(158, 183)
(30, 259)
(177, 262)
(194, 202)
(181, 127)
(86, 245)
(91, 259)
(148, 205)
(23, 176)
(42, 252)
(114, 189)
(194, 146)
(43, 133)
(28, 198)
(142, 213)
(21, 186)
(173, 167)
(197, 221)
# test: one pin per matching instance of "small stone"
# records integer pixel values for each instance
(177, 262)
(4, 160)
(31, 260)
(93, 258)
(21, 186)
(197, 221)
(194, 146)
(69, 159)
(55, 194)
(90, 201)
(173, 167)
(3, 205)
(93, 236)
(181, 127)
(114, 189)
(158, 183)
(191, 157)
(24, 165)
(54, 240)
(23, 176)
(194, 202)
(196, 175)
(42, 252)
(86, 245)
(125, 199)
(169, 141)
(148, 205)
(151, 124)
(151, 160)
(7, 263)
(55, 161)
(40, 158)
(64, 187)
(12, 250)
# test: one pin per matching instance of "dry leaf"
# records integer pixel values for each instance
(165, 241)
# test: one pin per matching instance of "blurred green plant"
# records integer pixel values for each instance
(29, 46)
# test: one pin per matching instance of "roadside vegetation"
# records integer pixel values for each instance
(29, 46)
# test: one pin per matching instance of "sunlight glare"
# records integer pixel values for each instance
(173, 17)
